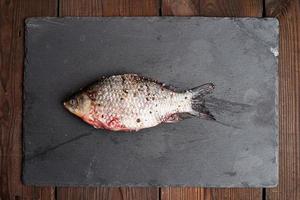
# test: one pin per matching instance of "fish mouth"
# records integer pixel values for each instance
(72, 110)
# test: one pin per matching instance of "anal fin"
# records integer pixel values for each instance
(173, 118)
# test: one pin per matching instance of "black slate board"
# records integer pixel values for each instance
(238, 55)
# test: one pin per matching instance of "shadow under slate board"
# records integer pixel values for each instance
(239, 55)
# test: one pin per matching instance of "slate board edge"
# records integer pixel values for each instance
(272, 185)
(25, 63)
(277, 107)
(30, 20)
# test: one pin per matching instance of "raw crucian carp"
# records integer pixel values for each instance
(130, 102)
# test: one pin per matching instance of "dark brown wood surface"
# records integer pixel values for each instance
(12, 15)
(231, 8)
(288, 13)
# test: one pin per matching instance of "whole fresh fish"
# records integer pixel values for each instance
(130, 102)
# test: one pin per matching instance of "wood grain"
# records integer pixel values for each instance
(81, 8)
(108, 8)
(13, 13)
(196, 193)
(235, 194)
(212, 8)
(130, 7)
(231, 8)
(186, 193)
(288, 13)
(180, 7)
(101, 193)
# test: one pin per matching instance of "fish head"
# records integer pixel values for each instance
(80, 105)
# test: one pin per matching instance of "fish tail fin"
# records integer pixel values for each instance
(198, 102)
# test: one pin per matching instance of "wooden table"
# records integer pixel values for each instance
(12, 15)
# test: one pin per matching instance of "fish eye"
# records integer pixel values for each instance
(73, 102)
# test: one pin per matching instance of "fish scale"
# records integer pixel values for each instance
(130, 102)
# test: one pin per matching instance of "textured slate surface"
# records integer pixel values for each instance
(238, 55)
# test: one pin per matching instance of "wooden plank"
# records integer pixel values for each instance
(186, 193)
(212, 8)
(288, 13)
(180, 8)
(106, 193)
(80, 8)
(108, 8)
(218, 8)
(195, 193)
(231, 8)
(235, 194)
(12, 18)
(130, 7)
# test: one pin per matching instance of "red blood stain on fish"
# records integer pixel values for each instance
(114, 123)
(104, 121)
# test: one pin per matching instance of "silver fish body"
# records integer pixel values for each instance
(129, 102)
